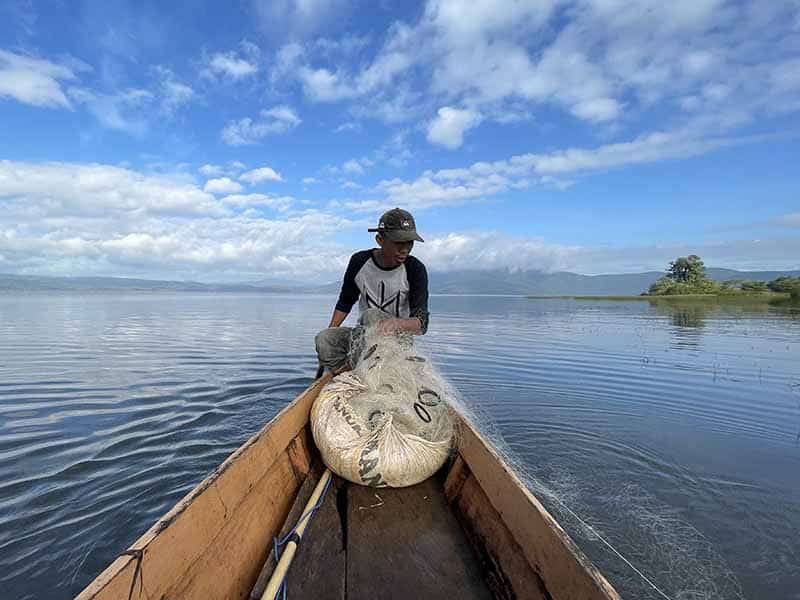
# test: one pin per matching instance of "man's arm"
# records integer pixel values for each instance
(338, 317)
(349, 293)
(418, 293)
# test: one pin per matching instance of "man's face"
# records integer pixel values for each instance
(394, 253)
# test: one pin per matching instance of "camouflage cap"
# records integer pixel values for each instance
(398, 225)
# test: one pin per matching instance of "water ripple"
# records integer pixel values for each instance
(113, 406)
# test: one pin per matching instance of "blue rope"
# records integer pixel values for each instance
(276, 544)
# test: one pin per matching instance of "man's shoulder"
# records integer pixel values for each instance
(360, 257)
(412, 262)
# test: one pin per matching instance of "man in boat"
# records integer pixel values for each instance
(390, 286)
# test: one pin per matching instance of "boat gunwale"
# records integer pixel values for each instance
(500, 503)
(124, 560)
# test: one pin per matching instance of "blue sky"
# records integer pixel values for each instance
(253, 139)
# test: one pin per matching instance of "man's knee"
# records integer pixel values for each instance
(324, 340)
(332, 346)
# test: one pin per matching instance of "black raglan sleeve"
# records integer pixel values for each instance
(348, 296)
(418, 291)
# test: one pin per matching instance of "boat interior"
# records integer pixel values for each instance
(473, 530)
(379, 543)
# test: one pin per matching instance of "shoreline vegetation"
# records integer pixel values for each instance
(686, 279)
(755, 297)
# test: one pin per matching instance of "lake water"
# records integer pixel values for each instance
(672, 430)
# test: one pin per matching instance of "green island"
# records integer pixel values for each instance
(686, 279)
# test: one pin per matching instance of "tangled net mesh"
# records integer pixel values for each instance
(643, 546)
(388, 422)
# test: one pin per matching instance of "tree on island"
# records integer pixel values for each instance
(686, 269)
(685, 275)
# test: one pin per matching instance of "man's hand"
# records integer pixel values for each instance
(393, 326)
(388, 327)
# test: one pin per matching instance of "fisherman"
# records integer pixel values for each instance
(391, 288)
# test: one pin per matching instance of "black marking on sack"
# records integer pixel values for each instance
(346, 415)
(415, 359)
(367, 464)
(426, 392)
(370, 352)
(385, 385)
(422, 412)
(374, 414)
(374, 481)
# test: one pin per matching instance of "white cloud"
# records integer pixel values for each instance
(348, 126)
(278, 203)
(353, 166)
(233, 65)
(42, 190)
(121, 111)
(483, 179)
(283, 114)
(260, 175)
(64, 218)
(597, 109)
(322, 85)
(211, 170)
(432, 190)
(493, 250)
(133, 110)
(276, 120)
(588, 58)
(173, 93)
(33, 80)
(229, 64)
(298, 18)
(223, 185)
(310, 180)
(450, 124)
(485, 250)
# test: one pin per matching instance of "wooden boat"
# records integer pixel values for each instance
(472, 531)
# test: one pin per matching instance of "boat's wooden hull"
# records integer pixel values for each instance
(212, 544)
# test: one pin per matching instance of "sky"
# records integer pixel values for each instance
(259, 139)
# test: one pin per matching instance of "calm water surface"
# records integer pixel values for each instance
(673, 431)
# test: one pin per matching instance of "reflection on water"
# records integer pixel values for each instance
(688, 315)
(684, 315)
(647, 418)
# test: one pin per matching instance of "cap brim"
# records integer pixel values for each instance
(401, 235)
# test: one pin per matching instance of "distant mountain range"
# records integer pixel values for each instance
(33, 282)
(535, 283)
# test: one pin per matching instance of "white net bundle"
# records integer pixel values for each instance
(387, 422)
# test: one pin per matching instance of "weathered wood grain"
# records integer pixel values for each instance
(406, 543)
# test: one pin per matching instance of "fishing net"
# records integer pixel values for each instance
(387, 422)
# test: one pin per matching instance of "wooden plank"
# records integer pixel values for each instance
(300, 499)
(321, 554)
(406, 543)
(194, 525)
(230, 563)
(319, 568)
(506, 570)
(566, 572)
